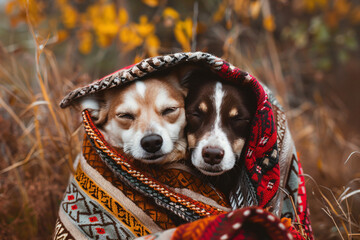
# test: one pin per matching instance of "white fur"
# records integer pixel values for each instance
(163, 100)
(216, 138)
(129, 104)
(92, 105)
(140, 88)
(89, 103)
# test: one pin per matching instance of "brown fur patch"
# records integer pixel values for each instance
(238, 145)
(233, 112)
(203, 107)
(191, 140)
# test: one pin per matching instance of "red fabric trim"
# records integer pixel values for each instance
(262, 141)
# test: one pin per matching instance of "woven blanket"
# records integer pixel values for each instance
(247, 223)
(111, 198)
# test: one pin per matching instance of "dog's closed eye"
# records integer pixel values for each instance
(196, 114)
(169, 110)
(235, 116)
(240, 118)
(128, 116)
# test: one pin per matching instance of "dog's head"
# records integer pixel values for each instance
(145, 118)
(218, 119)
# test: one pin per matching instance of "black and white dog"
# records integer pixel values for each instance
(218, 118)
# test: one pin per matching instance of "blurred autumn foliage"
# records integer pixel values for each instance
(141, 26)
(152, 27)
(307, 51)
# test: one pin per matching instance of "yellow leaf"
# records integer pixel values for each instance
(93, 12)
(108, 12)
(188, 27)
(181, 34)
(220, 13)
(85, 42)
(129, 38)
(138, 58)
(170, 13)
(144, 28)
(309, 5)
(255, 9)
(69, 16)
(20, 9)
(104, 40)
(107, 28)
(10, 6)
(240, 7)
(62, 35)
(153, 44)
(322, 4)
(123, 16)
(151, 3)
(269, 23)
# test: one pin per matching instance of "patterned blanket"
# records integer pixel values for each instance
(109, 197)
(246, 223)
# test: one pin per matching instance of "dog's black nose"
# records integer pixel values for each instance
(151, 143)
(212, 155)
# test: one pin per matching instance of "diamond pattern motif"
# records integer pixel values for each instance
(91, 218)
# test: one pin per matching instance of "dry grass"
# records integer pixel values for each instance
(39, 141)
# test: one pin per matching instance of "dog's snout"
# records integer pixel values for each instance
(151, 143)
(212, 155)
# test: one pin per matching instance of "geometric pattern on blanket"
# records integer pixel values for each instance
(109, 203)
(92, 219)
(291, 187)
(179, 179)
(159, 215)
(61, 233)
(303, 207)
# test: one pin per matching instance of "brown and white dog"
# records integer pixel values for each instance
(146, 118)
(218, 119)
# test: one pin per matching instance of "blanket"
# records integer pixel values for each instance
(246, 223)
(111, 198)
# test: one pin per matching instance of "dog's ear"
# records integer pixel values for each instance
(97, 105)
(193, 76)
(174, 78)
(185, 74)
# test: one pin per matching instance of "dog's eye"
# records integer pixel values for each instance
(196, 114)
(240, 118)
(168, 111)
(125, 116)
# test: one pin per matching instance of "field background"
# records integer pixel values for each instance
(307, 51)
